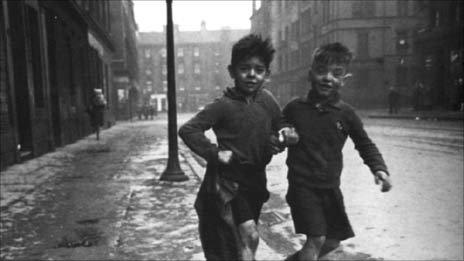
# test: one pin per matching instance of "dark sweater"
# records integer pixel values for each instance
(242, 126)
(323, 126)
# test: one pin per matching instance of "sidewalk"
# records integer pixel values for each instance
(141, 211)
(410, 114)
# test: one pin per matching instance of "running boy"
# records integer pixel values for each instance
(323, 123)
(243, 119)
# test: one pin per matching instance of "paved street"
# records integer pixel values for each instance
(103, 200)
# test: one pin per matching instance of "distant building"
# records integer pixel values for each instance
(439, 52)
(379, 32)
(124, 61)
(52, 55)
(201, 65)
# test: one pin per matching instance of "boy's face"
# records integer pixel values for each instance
(249, 74)
(327, 79)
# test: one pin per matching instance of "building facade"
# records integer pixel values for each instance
(201, 65)
(439, 51)
(124, 62)
(380, 33)
(53, 54)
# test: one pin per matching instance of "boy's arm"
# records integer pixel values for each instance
(368, 151)
(193, 131)
(282, 129)
(283, 134)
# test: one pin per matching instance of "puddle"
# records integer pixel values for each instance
(88, 221)
(97, 149)
(82, 237)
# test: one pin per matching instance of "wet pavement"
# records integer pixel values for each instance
(104, 200)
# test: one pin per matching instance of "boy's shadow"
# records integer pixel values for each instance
(342, 253)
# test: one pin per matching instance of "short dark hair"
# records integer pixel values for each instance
(332, 53)
(252, 45)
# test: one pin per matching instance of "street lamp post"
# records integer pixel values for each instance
(172, 171)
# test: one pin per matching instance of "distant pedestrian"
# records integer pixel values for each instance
(244, 119)
(418, 96)
(460, 86)
(97, 110)
(323, 122)
(393, 100)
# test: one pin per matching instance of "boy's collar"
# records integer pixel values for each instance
(321, 102)
(235, 93)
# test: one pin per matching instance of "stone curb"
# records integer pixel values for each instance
(416, 117)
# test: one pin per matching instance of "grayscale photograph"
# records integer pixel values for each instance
(231, 130)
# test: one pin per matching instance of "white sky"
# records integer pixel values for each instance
(150, 15)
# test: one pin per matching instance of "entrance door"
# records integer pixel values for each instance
(22, 98)
(54, 94)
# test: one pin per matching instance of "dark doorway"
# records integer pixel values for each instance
(52, 20)
(22, 98)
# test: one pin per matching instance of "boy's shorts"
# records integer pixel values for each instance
(246, 206)
(319, 212)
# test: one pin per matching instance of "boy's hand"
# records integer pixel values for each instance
(288, 136)
(276, 145)
(225, 156)
(382, 177)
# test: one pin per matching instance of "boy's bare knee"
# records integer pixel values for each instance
(311, 248)
(249, 232)
(315, 242)
(329, 245)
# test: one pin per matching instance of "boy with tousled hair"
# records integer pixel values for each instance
(323, 123)
(246, 120)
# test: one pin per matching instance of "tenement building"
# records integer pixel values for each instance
(53, 54)
(382, 34)
(200, 67)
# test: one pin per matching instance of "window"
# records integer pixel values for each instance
(306, 51)
(363, 8)
(437, 19)
(295, 59)
(147, 53)
(306, 21)
(325, 11)
(180, 52)
(196, 51)
(148, 72)
(148, 86)
(163, 52)
(37, 59)
(165, 86)
(401, 75)
(402, 41)
(362, 78)
(164, 71)
(180, 69)
(197, 88)
(402, 7)
(363, 45)
(295, 30)
(196, 68)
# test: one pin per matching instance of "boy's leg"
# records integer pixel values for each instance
(249, 237)
(311, 248)
(246, 209)
(329, 245)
